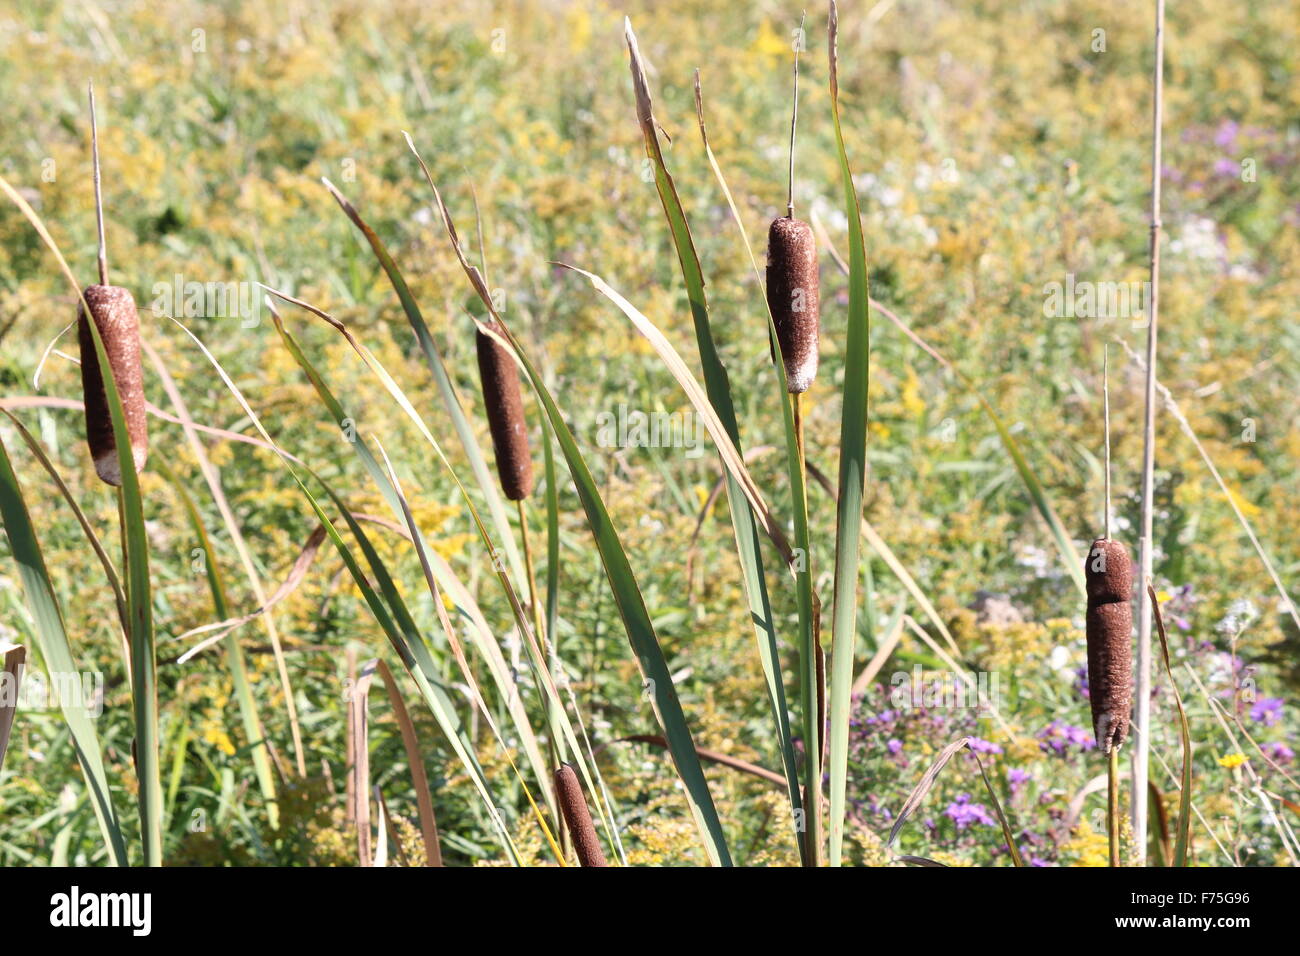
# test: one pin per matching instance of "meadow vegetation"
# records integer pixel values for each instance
(996, 148)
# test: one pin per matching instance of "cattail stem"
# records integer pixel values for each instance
(555, 743)
(102, 254)
(1112, 805)
(1105, 414)
(798, 434)
(812, 674)
(794, 120)
(533, 604)
(126, 642)
(1142, 751)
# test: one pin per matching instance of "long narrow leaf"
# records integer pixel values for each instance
(627, 593)
(923, 786)
(1185, 793)
(497, 666)
(718, 387)
(110, 572)
(852, 477)
(252, 721)
(52, 639)
(419, 779)
(404, 637)
(11, 676)
(139, 593)
(486, 483)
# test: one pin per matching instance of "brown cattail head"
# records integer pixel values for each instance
(1108, 572)
(794, 296)
(568, 791)
(505, 413)
(114, 313)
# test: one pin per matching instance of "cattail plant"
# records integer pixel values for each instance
(113, 311)
(503, 400)
(794, 300)
(1108, 576)
(1142, 750)
(505, 413)
(793, 284)
(577, 817)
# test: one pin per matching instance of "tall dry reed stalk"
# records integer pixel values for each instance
(1142, 751)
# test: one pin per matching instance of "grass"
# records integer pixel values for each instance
(982, 173)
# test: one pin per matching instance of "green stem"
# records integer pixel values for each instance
(811, 688)
(144, 691)
(1112, 806)
(556, 738)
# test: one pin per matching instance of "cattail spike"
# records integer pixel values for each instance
(113, 310)
(794, 296)
(505, 413)
(573, 805)
(1108, 572)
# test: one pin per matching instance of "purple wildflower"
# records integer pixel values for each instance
(1017, 778)
(1267, 711)
(964, 813)
(1058, 737)
(1226, 134)
(1227, 168)
(1279, 752)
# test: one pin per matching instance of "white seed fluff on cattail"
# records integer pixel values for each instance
(794, 296)
(113, 310)
(1108, 572)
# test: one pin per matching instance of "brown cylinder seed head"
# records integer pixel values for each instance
(1108, 574)
(113, 311)
(794, 296)
(568, 791)
(504, 405)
